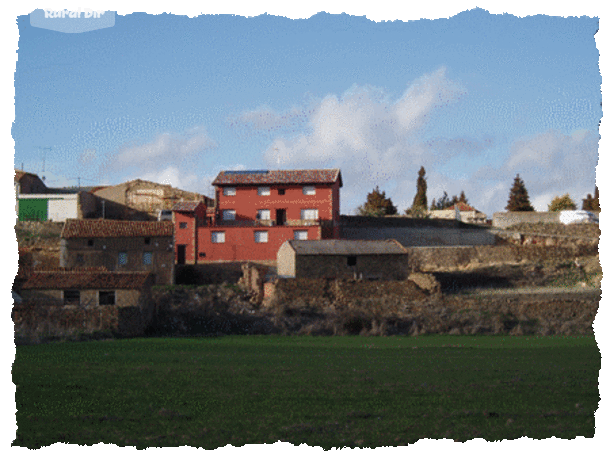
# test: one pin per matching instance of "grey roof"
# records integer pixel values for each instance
(346, 247)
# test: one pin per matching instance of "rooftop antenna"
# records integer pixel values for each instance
(44, 155)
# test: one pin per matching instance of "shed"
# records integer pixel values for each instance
(86, 300)
(366, 259)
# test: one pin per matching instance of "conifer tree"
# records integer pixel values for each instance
(592, 203)
(518, 199)
(377, 204)
(420, 201)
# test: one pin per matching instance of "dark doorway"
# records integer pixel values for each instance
(280, 216)
(181, 254)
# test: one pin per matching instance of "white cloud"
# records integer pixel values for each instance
(372, 138)
(266, 119)
(166, 148)
(552, 164)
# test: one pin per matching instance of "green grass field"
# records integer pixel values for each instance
(329, 392)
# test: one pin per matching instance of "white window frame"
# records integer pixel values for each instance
(298, 235)
(229, 191)
(264, 191)
(263, 214)
(309, 190)
(261, 236)
(305, 211)
(218, 237)
(228, 215)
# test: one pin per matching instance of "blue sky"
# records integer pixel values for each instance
(475, 98)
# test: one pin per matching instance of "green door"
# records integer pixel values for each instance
(33, 209)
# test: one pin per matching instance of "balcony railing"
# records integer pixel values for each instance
(271, 223)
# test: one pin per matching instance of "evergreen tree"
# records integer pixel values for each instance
(377, 204)
(420, 201)
(592, 203)
(518, 199)
(564, 202)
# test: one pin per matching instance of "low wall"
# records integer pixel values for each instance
(42, 320)
(439, 259)
(503, 220)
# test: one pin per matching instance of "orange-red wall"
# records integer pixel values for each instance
(247, 201)
(240, 245)
(239, 242)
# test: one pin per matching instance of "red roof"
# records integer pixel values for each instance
(86, 280)
(76, 228)
(320, 176)
(188, 206)
(462, 207)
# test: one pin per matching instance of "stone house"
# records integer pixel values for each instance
(122, 246)
(460, 212)
(89, 299)
(366, 259)
(28, 183)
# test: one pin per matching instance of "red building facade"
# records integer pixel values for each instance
(257, 211)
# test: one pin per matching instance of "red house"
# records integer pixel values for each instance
(257, 211)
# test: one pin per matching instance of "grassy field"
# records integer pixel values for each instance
(329, 392)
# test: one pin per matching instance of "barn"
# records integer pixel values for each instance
(362, 259)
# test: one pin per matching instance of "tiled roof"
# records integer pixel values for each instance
(188, 206)
(75, 228)
(346, 247)
(86, 280)
(321, 176)
(462, 207)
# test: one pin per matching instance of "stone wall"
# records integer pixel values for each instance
(43, 318)
(439, 259)
(507, 219)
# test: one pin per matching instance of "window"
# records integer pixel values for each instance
(71, 297)
(146, 240)
(264, 191)
(122, 258)
(107, 298)
(80, 259)
(309, 190)
(183, 225)
(202, 255)
(309, 214)
(263, 214)
(147, 258)
(300, 235)
(218, 237)
(281, 192)
(90, 242)
(228, 215)
(261, 236)
(229, 192)
(351, 261)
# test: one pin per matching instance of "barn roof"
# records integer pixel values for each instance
(91, 228)
(258, 177)
(346, 247)
(86, 280)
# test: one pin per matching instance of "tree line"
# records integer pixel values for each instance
(378, 204)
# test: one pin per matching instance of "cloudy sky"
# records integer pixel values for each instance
(476, 98)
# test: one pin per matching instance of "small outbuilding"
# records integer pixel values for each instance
(362, 259)
(86, 300)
